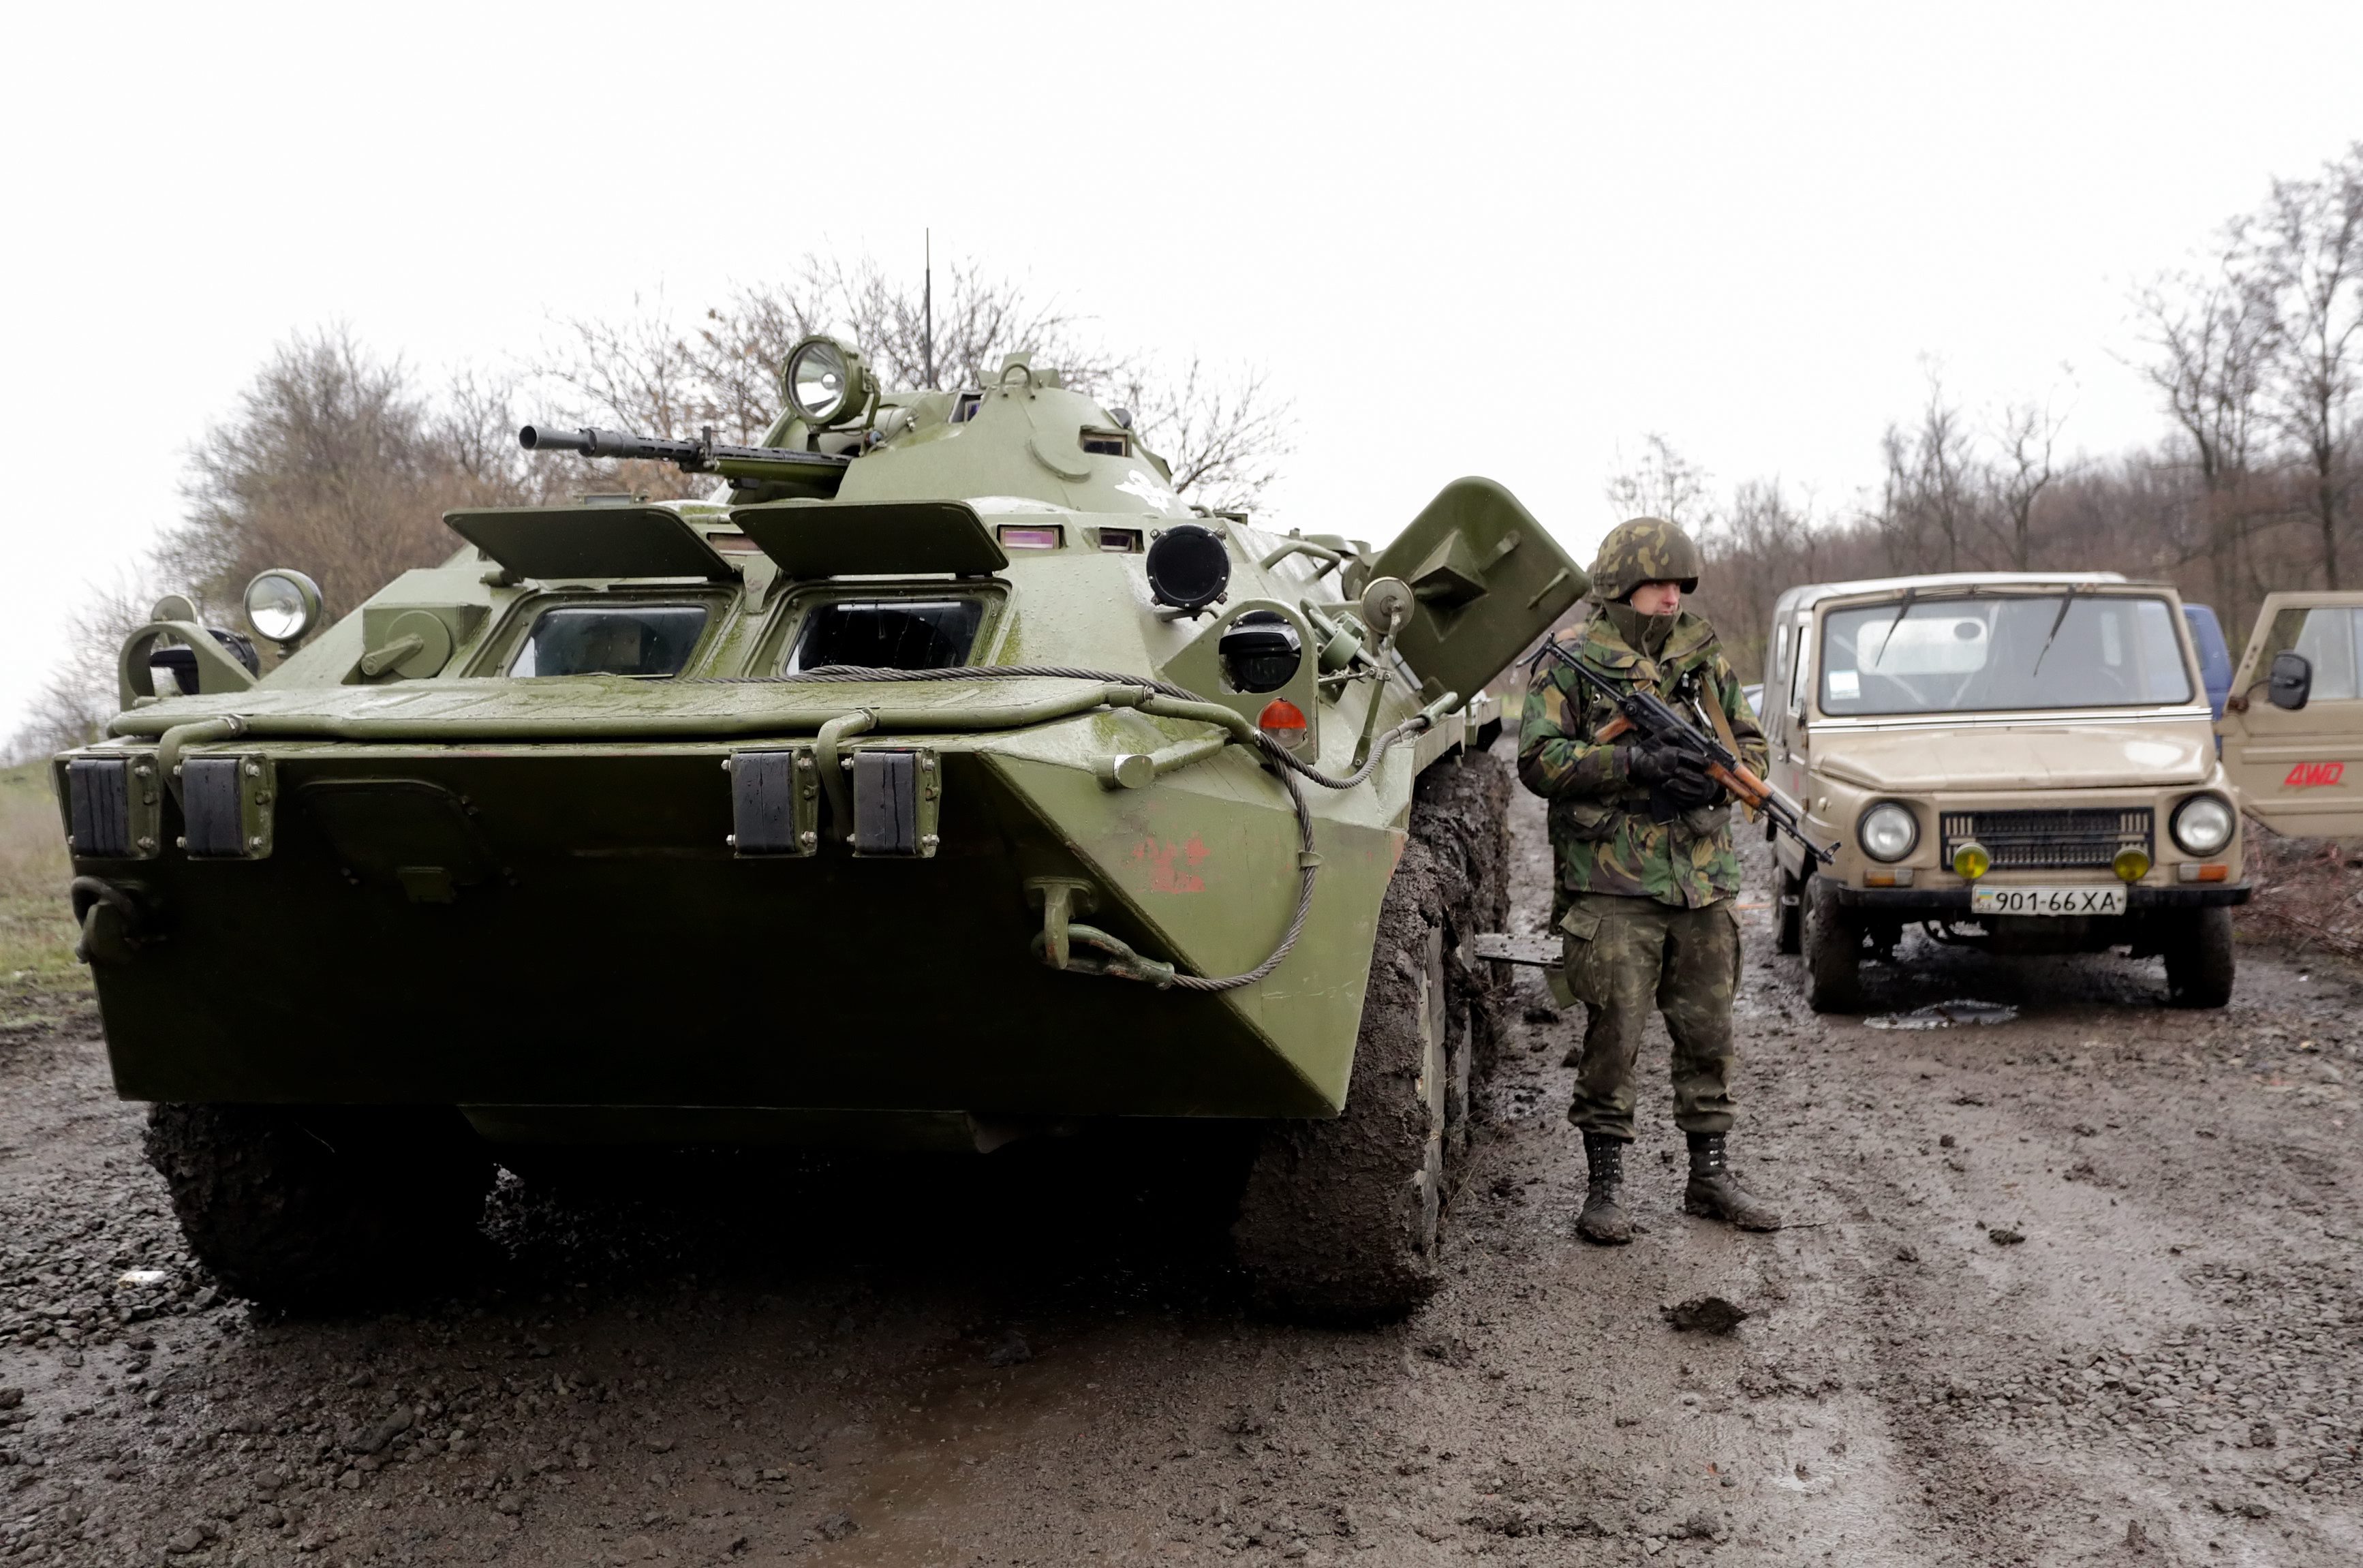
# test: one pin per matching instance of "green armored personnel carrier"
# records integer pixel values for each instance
(944, 778)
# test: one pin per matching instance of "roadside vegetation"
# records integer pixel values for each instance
(39, 981)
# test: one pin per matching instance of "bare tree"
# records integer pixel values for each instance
(75, 704)
(335, 464)
(1929, 496)
(2212, 334)
(1224, 433)
(1661, 482)
(2029, 432)
(2313, 256)
(1759, 544)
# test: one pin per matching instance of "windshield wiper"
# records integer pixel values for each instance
(1900, 611)
(2066, 600)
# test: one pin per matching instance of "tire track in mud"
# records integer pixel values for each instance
(1047, 1363)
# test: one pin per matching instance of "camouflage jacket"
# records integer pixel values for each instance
(1602, 834)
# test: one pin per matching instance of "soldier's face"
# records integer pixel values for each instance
(1657, 598)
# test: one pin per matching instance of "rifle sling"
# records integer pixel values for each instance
(1713, 703)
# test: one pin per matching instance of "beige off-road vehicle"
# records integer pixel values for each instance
(2023, 763)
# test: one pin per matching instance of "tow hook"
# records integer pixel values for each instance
(113, 924)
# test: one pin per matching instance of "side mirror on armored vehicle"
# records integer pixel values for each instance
(1387, 605)
(2291, 682)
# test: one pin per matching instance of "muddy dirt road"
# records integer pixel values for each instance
(2080, 1286)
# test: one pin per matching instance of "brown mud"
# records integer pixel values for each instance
(2077, 1287)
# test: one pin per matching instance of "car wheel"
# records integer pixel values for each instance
(1833, 948)
(322, 1206)
(1789, 917)
(2199, 960)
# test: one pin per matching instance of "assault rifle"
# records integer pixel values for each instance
(745, 467)
(1648, 715)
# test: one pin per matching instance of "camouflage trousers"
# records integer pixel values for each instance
(1623, 956)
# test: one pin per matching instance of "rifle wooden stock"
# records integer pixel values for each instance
(1744, 785)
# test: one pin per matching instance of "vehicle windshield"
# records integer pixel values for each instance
(618, 640)
(2002, 652)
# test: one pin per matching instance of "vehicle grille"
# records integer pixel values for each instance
(2034, 840)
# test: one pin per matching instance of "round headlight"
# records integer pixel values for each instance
(1887, 831)
(823, 381)
(2202, 824)
(283, 605)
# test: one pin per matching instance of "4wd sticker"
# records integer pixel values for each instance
(2315, 775)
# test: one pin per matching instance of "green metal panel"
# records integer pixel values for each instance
(889, 539)
(564, 542)
(1489, 578)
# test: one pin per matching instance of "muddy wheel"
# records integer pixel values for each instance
(1789, 917)
(2199, 962)
(1833, 947)
(1338, 1222)
(310, 1207)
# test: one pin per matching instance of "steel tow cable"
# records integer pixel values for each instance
(1122, 961)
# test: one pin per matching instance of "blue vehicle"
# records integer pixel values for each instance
(2214, 655)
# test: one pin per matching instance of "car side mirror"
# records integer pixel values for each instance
(2292, 681)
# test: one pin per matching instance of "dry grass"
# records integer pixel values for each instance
(2309, 892)
(38, 972)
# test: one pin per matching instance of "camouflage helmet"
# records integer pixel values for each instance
(1645, 549)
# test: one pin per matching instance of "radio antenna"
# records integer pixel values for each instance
(927, 307)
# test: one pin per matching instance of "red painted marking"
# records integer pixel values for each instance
(1164, 874)
(2315, 775)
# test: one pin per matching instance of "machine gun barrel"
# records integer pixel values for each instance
(704, 455)
(1653, 718)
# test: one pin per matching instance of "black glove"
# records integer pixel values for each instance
(1693, 787)
(1652, 765)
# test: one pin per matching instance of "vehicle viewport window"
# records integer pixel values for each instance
(2328, 636)
(2001, 653)
(890, 634)
(611, 640)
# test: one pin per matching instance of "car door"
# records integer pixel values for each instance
(2299, 770)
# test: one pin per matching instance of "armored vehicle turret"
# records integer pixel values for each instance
(942, 777)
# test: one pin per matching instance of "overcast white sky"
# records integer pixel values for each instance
(1463, 238)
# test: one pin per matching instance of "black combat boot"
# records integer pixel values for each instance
(1716, 1194)
(1601, 1220)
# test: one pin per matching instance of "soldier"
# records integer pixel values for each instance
(1644, 906)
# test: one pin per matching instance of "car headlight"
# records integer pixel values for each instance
(1888, 831)
(283, 605)
(825, 380)
(2202, 824)
(1260, 651)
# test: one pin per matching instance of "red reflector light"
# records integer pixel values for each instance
(1014, 537)
(1280, 714)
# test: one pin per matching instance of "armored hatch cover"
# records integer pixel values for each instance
(554, 543)
(1486, 574)
(813, 540)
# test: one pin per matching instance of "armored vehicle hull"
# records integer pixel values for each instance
(964, 789)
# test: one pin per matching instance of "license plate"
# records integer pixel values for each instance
(2109, 900)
